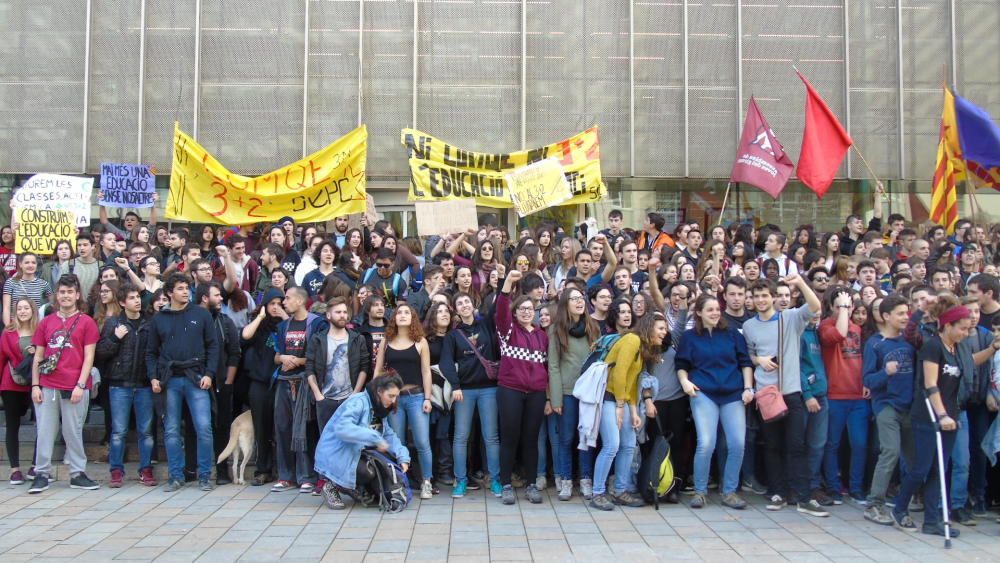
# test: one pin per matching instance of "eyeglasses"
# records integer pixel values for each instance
(528, 309)
(821, 280)
(576, 298)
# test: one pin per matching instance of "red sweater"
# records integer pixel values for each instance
(10, 355)
(842, 359)
(523, 355)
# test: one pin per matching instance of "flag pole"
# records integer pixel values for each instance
(885, 196)
(724, 200)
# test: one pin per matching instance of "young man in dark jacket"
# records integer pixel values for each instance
(122, 348)
(182, 355)
(209, 297)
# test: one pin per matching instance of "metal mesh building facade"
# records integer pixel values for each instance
(261, 82)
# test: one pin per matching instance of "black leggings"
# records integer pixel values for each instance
(261, 396)
(15, 405)
(521, 416)
(672, 416)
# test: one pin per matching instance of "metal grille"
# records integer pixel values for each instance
(252, 62)
(387, 83)
(112, 134)
(978, 44)
(659, 88)
(806, 33)
(41, 85)
(468, 77)
(168, 92)
(333, 71)
(874, 88)
(712, 78)
(926, 65)
(578, 75)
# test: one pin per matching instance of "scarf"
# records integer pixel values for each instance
(379, 412)
(579, 329)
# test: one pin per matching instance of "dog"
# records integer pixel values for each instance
(241, 442)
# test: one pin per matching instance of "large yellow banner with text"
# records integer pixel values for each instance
(441, 171)
(326, 184)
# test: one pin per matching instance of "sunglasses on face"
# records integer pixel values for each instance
(383, 266)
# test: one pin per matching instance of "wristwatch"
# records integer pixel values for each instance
(81, 385)
(750, 389)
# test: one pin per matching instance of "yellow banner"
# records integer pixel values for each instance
(40, 230)
(440, 171)
(326, 184)
(538, 186)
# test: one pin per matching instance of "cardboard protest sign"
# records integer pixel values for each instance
(127, 185)
(445, 217)
(39, 230)
(441, 171)
(326, 184)
(54, 192)
(538, 186)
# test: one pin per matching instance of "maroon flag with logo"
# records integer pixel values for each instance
(760, 159)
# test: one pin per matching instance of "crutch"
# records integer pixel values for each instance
(941, 475)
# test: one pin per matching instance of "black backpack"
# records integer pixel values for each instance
(390, 490)
(655, 478)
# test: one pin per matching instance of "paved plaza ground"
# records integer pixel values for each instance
(249, 523)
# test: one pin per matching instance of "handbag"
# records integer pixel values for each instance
(48, 365)
(770, 401)
(492, 368)
(21, 375)
(440, 390)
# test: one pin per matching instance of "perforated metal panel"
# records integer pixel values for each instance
(873, 86)
(578, 75)
(780, 33)
(252, 61)
(926, 65)
(387, 83)
(333, 71)
(112, 132)
(712, 79)
(41, 85)
(168, 93)
(469, 73)
(659, 88)
(978, 45)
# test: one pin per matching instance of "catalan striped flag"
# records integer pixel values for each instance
(944, 195)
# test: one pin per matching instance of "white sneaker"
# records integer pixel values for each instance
(565, 489)
(541, 482)
(587, 488)
(426, 491)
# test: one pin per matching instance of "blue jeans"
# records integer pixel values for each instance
(410, 411)
(182, 390)
(486, 401)
(548, 434)
(567, 436)
(924, 473)
(618, 445)
(852, 414)
(960, 459)
(817, 430)
(121, 400)
(707, 416)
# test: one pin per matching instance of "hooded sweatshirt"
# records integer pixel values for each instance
(523, 354)
(459, 364)
(842, 358)
(179, 336)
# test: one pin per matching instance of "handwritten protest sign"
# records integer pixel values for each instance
(127, 185)
(39, 230)
(538, 186)
(445, 217)
(54, 192)
(326, 184)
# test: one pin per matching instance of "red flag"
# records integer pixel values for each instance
(824, 143)
(760, 159)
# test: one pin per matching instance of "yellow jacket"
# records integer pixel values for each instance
(623, 377)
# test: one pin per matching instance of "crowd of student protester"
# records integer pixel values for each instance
(460, 355)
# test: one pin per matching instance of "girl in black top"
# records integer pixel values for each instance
(406, 352)
(938, 377)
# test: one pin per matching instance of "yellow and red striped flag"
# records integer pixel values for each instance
(944, 195)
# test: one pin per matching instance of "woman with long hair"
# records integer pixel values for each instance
(620, 419)
(570, 336)
(310, 258)
(406, 353)
(805, 235)
(437, 322)
(831, 249)
(107, 306)
(207, 242)
(15, 345)
(354, 242)
(933, 415)
(473, 389)
(484, 261)
(566, 261)
(714, 370)
(523, 380)
(8, 259)
(25, 283)
(545, 239)
(276, 235)
(348, 268)
(62, 261)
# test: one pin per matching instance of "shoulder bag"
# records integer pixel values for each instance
(770, 401)
(492, 368)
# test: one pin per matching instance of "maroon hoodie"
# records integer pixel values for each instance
(523, 354)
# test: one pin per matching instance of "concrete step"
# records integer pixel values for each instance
(101, 473)
(95, 451)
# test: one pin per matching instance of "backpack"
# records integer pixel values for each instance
(391, 489)
(600, 350)
(655, 477)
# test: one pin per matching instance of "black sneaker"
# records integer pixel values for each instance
(963, 516)
(979, 508)
(939, 531)
(81, 481)
(332, 497)
(205, 485)
(41, 483)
